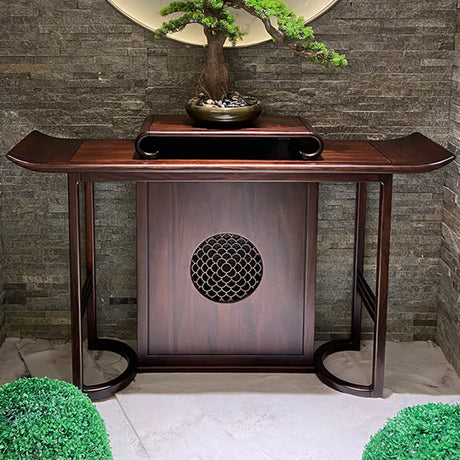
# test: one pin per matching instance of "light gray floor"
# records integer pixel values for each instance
(246, 416)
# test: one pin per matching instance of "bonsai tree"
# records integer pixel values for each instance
(280, 22)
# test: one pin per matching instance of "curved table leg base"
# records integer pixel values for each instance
(330, 379)
(103, 390)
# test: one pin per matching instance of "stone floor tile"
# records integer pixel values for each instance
(48, 358)
(125, 443)
(12, 366)
(232, 416)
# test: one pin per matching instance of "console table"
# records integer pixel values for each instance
(226, 246)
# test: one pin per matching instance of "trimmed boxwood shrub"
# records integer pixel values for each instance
(427, 432)
(43, 418)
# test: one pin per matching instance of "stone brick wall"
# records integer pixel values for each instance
(2, 319)
(449, 292)
(2, 292)
(79, 68)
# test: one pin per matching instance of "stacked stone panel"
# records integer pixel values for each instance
(449, 288)
(80, 69)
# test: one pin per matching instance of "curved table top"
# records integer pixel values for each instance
(414, 153)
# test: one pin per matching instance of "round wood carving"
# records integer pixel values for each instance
(146, 13)
(226, 268)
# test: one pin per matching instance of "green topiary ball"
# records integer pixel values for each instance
(49, 419)
(427, 432)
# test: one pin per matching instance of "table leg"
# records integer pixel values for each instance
(358, 263)
(381, 291)
(376, 304)
(90, 264)
(75, 280)
(83, 299)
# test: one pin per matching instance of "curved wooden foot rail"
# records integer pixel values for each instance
(83, 300)
(330, 379)
(375, 303)
(106, 389)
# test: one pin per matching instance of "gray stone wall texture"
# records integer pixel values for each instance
(79, 68)
(2, 291)
(449, 291)
(2, 296)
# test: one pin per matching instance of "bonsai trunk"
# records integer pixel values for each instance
(214, 79)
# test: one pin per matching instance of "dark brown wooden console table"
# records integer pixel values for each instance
(253, 202)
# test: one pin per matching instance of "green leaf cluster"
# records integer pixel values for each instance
(288, 22)
(295, 32)
(44, 418)
(286, 27)
(209, 13)
(426, 432)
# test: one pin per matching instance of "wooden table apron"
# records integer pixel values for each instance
(87, 162)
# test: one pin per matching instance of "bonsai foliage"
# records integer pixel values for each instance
(279, 21)
(426, 432)
(43, 418)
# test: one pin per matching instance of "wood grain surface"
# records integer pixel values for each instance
(180, 320)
